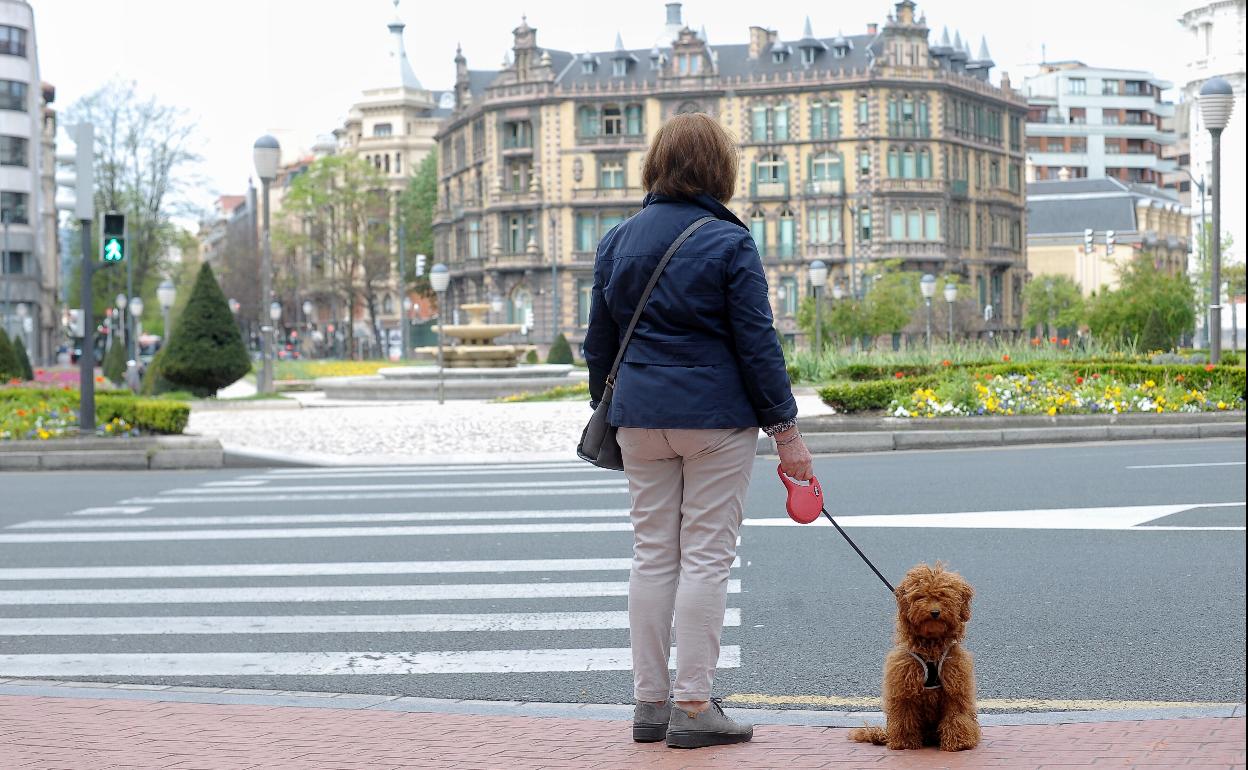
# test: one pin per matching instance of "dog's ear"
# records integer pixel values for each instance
(966, 593)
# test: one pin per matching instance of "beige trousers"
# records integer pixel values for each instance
(688, 489)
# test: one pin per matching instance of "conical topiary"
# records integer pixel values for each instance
(205, 351)
(24, 370)
(560, 351)
(8, 361)
(1154, 336)
(114, 366)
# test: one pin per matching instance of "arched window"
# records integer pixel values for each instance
(925, 163)
(587, 121)
(771, 168)
(825, 167)
(632, 119)
(894, 162)
(520, 307)
(612, 120)
(914, 225)
(758, 231)
(787, 245)
(387, 162)
(908, 163)
(686, 107)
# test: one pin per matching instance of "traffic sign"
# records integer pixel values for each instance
(114, 249)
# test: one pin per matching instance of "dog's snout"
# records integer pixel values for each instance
(935, 613)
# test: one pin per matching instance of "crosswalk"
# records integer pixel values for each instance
(290, 574)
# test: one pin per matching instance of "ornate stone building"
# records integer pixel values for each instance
(855, 149)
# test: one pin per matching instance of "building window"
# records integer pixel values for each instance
(474, 238)
(907, 117)
(517, 134)
(1078, 86)
(611, 174)
(823, 225)
(12, 95)
(787, 244)
(788, 286)
(1110, 87)
(688, 64)
(517, 176)
(16, 263)
(897, 225)
(808, 55)
(779, 55)
(588, 66)
(1014, 178)
(12, 40)
(770, 123)
(612, 120)
(587, 121)
(864, 161)
(13, 151)
(13, 207)
(931, 225)
(398, 163)
(584, 298)
(1078, 115)
(825, 167)
(908, 169)
(632, 119)
(478, 139)
(619, 67)
(864, 225)
(521, 228)
(1110, 117)
(758, 231)
(383, 129)
(592, 226)
(864, 112)
(994, 173)
(925, 163)
(825, 120)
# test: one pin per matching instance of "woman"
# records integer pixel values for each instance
(702, 373)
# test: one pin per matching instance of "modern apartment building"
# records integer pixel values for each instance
(28, 234)
(855, 149)
(1093, 122)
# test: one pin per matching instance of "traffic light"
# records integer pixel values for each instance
(1109, 242)
(1087, 241)
(420, 264)
(75, 176)
(113, 237)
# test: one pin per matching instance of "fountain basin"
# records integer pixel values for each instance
(420, 383)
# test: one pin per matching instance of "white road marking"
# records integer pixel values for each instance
(365, 593)
(622, 489)
(1182, 465)
(235, 483)
(371, 473)
(331, 663)
(326, 624)
(112, 510)
(452, 468)
(1123, 518)
(317, 568)
(587, 483)
(317, 518)
(174, 535)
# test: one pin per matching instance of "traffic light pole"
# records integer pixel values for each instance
(402, 285)
(86, 362)
(128, 318)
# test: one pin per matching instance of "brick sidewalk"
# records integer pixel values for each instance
(95, 734)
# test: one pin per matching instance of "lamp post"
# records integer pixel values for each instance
(818, 279)
(266, 153)
(439, 280)
(22, 319)
(166, 295)
(951, 296)
(1217, 99)
(307, 307)
(119, 319)
(927, 285)
(136, 324)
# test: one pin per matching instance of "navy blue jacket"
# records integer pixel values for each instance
(705, 353)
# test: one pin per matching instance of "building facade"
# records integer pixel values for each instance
(1091, 122)
(29, 270)
(856, 149)
(1141, 219)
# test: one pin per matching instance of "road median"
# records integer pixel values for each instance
(112, 453)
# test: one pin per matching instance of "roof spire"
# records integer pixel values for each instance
(944, 38)
(983, 49)
(399, 65)
(806, 31)
(619, 41)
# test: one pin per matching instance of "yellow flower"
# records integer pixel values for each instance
(1052, 411)
(1221, 404)
(1149, 384)
(44, 435)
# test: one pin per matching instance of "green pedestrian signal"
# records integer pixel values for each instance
(114, 249)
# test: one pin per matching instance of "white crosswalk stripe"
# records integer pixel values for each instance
(118, 616)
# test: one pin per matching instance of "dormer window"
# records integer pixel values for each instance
(808, 56)
(779, 56)
(619, 67)
(589, 64)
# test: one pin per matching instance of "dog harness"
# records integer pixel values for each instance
(931, 668)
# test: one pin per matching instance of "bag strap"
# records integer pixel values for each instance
(645, 295)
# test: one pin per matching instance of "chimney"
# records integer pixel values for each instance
(873, 28)
(1005, 81)
(674, 24)
(758, 41)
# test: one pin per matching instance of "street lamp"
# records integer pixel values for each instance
(307, 307)
(439, 280)
(136, 323)
(838, 293)
(119, 318)
(266, 153)
(1217, 99)
(927, 285)
(951, 296)
(818, 279)
(166, 295)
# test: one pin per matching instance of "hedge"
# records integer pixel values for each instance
(147, 414)
(871, 394)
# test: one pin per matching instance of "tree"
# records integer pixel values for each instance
(1122, 315)
(417, 205)
(145, 167)
(8, 361)
(24, 370)
(114, 366)
(560, 351)
(1054, 302)
(1234, 275)
(205, 352)
(891, 302)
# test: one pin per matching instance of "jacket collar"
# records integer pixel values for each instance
(719, 210)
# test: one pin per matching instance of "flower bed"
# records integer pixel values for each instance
(47, 413)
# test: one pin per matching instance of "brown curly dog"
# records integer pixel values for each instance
(929, 682)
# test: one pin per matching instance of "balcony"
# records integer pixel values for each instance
(1003, 255)
(908, 130)
(632, 194)
(611, 140)
(895, 185)
(825, 187)
(772, 251)
(825, 251)
(769, 189)
(916, 249)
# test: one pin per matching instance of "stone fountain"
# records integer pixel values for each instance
(473, 368)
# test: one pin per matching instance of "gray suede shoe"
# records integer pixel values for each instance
(691, 730)
(650, 722)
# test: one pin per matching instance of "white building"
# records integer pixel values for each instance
(1215, 34)
(1096, 122)
(28, 277)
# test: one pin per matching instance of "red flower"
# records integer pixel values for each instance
(1006, 358)
(39, 372)
(946, 362)
(15, 381)
(898, 375)
(1035, 340)
(1053, 340)
(1078, 380)
(1208, 367)
(1180, 378)
(1065, 341)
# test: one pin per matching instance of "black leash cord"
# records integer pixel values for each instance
(859, 550)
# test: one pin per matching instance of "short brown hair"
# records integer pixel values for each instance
(691, 154)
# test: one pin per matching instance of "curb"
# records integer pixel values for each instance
(42, 688)
(110, 454)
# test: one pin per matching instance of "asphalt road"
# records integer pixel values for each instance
(1107, 572)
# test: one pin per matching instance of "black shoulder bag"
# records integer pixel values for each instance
(598, 442)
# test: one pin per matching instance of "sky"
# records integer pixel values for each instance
(243, 68)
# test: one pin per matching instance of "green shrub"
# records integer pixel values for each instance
(115, 362)
(205, 351)
(146, 414)
(871, 394)
(560, 352)
(154, 381)
(8, 361)
(531, 357)
(25, 372)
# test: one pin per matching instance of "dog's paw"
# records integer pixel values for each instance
(901, 745)
(960, 745)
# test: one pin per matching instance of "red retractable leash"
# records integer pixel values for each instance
(805, 504)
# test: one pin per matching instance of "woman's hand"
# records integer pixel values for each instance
(795, 459)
